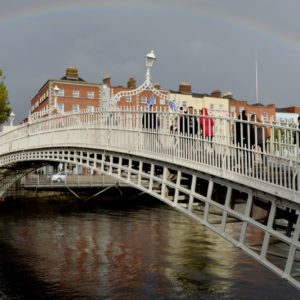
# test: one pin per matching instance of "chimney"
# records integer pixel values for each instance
(157, 85)
(131, 83)
(185, 88)
(228, 95)
(72, 73)
(216, 94)
(106, 80)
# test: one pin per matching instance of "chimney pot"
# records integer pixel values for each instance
(185, 88)
(131, 83)
(72, 73)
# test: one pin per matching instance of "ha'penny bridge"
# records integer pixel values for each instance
(247, 194)
(243, 184)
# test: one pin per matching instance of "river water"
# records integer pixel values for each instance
(130, 249)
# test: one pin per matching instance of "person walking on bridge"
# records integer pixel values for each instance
(241, 130)
(150, 123)
(206, 124)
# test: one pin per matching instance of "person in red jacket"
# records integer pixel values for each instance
(206, 124)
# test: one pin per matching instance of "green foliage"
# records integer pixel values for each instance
(5, 109)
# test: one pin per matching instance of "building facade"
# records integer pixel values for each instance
(69, 93)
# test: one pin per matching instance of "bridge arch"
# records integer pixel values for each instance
(234, 215)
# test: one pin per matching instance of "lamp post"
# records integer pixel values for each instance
(56, 92)
(146, 85)
(11, 118)
(150, 59)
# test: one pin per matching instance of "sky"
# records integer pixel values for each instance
(212, 44)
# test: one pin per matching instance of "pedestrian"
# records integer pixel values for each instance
(150, 123)
(182, 126)
(241, 138)
(192, 122)
(241, 132)
(206, 124)
(255, 130)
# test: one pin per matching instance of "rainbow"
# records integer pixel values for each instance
(267, 31)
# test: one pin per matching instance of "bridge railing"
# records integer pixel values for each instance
(267, 151)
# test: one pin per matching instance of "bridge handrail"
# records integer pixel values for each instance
(265, 151)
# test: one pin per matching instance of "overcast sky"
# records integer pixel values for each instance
(212, 44)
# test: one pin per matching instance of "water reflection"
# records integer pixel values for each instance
(140, 250)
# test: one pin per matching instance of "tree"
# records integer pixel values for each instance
(5, 109)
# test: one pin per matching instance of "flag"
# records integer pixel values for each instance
(150, 101)
(172, 105)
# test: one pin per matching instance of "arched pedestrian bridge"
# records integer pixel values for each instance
(244, 189)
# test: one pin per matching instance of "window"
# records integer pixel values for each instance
(221, 107)
(265, 116)
(76, 94)
(162, 101)
(232, 109)
(61, 92)
(211, 106)
(75, 108)
(91, 95)
(128, 99)
(61, 107)
(241, 109)
(90, 108)
(143, 99)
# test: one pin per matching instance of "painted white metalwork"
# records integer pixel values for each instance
(146, 85)
(248, 193)
(272, 166)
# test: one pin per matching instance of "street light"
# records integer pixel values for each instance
(56, 90)
(146, 85)
(150, 59)
(11, 118)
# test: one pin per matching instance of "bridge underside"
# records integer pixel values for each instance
(12, 172)
(264, 226)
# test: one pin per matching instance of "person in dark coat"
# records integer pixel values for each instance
(241, 130)
(192, 122)
(149, 120)
(188, 123)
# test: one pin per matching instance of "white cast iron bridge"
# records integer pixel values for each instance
(246, 192)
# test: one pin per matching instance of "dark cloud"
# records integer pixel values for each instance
(212, 44)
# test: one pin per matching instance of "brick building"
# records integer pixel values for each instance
(263, 112)
(291, 109)
(71, 92)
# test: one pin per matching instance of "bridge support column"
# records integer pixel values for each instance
(164, 189)
(209, 194)
(292, 252)
(178, 180)
(246, 217)
(266, 240)
(191, 198)
(227, 203)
